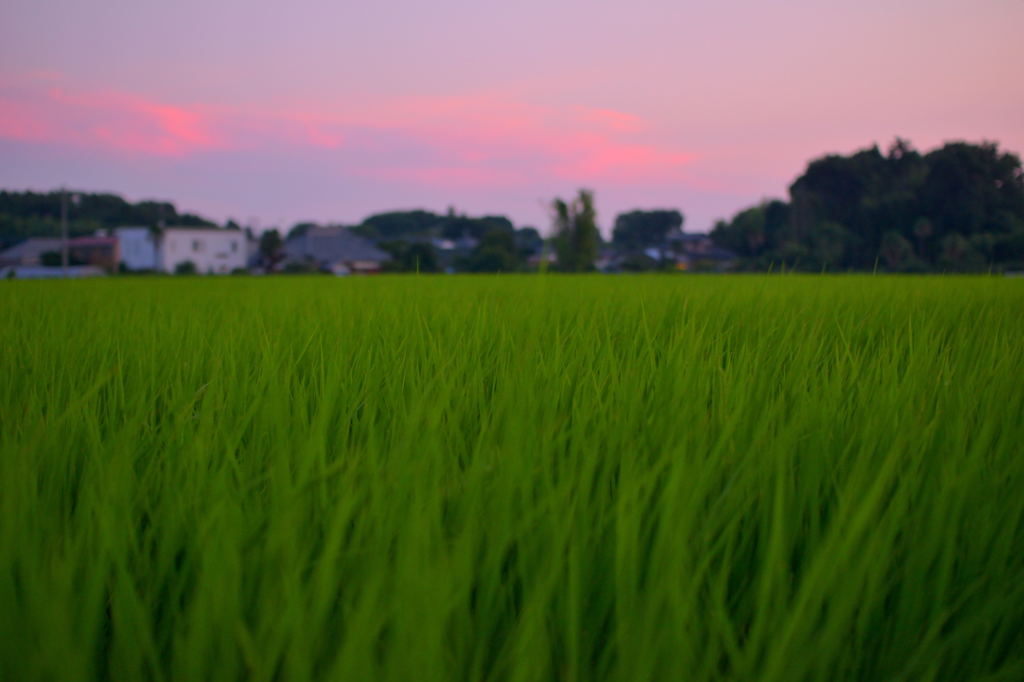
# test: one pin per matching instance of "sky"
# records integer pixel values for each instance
(331, 110)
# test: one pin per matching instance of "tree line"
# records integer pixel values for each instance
(958, 208)
(37, 214)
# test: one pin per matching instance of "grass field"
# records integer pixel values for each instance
(512, 478)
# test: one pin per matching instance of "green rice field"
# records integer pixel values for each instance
(512, 478)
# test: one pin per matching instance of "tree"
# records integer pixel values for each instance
(745, 234)
(271, 249)
(760, 235)
(36, 214)
(644, 229)
(959, 207)
(895, 250)
(396, 225)
(411, 257)
(299, 229)
(496, 253)
(528, 242)
(416, 225)
(576, 234)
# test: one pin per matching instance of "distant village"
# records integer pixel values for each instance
(956, 208)
(410, 241)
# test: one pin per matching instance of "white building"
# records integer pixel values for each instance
(138, 247)
(211, 250)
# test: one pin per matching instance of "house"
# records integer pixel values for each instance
(30, 251)
(138, 248)
(99, 251)
(334, 249)
(211, 250)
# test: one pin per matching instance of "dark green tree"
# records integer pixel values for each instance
(959, 207)
(496, 253)
(528, 242)
(576, 235)
(643, 229)
(411, 257)
(271, 249)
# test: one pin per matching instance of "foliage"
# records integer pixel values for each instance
(528, 242)
(418, 256)
(186, 267)
(460, 227)
(271, 249)
(35, 214)
(299, 229)
(576, 235)
(959, 207)
(642, 229)
(497, 252)
(410, 225)
(718, 478)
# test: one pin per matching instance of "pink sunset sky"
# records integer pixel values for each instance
(329, 110)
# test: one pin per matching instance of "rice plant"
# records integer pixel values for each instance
(776, 478)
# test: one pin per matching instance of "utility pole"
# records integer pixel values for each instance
(64, 231)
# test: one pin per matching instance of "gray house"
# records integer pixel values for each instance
(30, 251)
(334, 249)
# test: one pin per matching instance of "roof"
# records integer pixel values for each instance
(198, 228)
(30, 250)
(93, 241)
(332, 245)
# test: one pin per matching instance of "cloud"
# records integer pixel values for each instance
(477, 140)
(490, 139)
(110, 121)
(617, 120)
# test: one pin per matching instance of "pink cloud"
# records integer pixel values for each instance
(484, 140)
(320, 137)
(109, 121)
(617, 120)
(512, 142)
(19, 122)
(464, 176)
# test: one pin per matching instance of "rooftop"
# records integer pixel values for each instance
(333, 245)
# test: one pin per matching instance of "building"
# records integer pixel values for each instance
(102, 252)
(210, 250)
(30, 251)
(138, 248)
(334, 249)
(699, 252)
